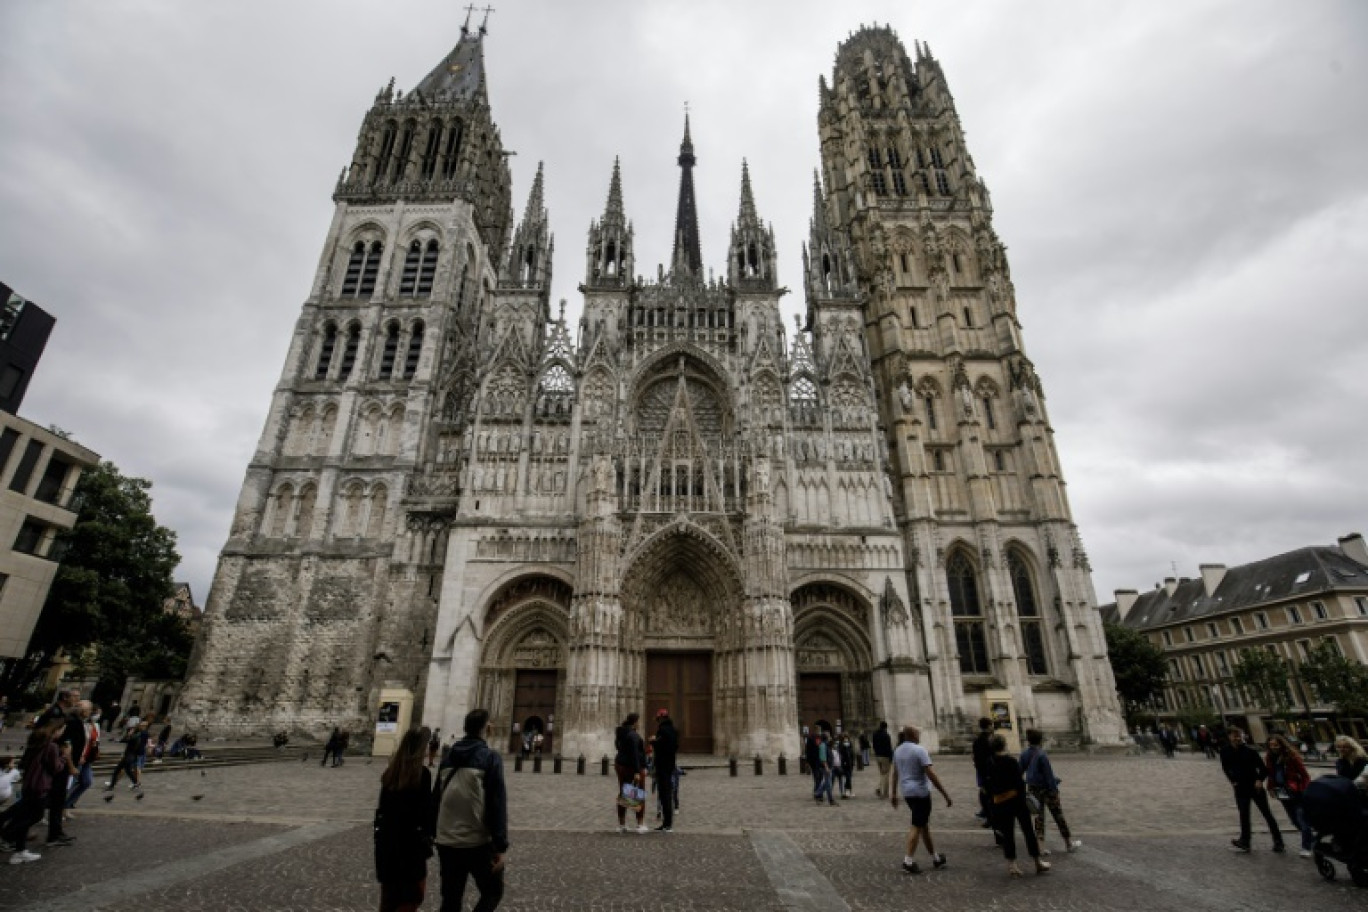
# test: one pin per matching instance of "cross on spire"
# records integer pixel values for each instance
(465, 27)
(484, 24)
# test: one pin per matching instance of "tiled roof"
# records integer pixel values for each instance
(459, 75)
(1284, 576)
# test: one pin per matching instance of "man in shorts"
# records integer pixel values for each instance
(912, 777)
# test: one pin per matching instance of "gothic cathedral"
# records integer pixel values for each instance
(677, 501)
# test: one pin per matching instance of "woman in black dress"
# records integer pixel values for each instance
(405, 824)
(1007, 789)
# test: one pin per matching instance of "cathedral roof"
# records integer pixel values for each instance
(461, 74)
(1302, 572)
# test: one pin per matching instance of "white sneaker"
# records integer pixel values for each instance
(21, 857)
(1305, 853)
(621, 828)
(1073, 845)
(643, 829)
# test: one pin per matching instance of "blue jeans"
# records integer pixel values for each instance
(1295, 813)
(84, 780)
(824, 787)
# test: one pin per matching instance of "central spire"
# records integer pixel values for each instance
(687, 259)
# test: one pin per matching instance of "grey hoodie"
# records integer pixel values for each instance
(472, 807)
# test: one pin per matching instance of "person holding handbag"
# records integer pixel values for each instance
(405, 824)
(1043, 786)
(1007, 794)
(1289, 779)
(630, 764)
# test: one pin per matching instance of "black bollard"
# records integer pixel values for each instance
(536, 763)
(732, 765)
(783, 765)
(758, 765)
(556, 765)
(517, 764)
(579, 766)
(605, 764)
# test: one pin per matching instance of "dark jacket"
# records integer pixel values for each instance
(666, 747)
(631, 750)
(405, 822)
(76, 734)
(1289, 772)
(983, 755)
(1004, 776)
(1349, 769)
(883, 743)
(1242, 765)
(1036, 769)
(41, 767)
(812, 751)
(472, 799)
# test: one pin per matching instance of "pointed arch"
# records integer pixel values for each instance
(1020, 568)
(966, 608)
(378, 508)
(308, 497)
(282, 502)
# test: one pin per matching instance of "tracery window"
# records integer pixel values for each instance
(451, 157)
(434, 143)
(415, 350)
(349, 351)
(325, 352)
(970, 638)
(390, 352)
(1028, 612)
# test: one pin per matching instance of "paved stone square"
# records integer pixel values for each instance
(296, 836)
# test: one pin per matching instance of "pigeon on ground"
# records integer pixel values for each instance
(196, 797)
(108, 798)
(141, 796)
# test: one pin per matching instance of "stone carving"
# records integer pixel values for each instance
(891, 605)
(679, 608)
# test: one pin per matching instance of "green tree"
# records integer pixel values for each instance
(1138, 666)
(1264, 677)
(105, 604)
(1336, 680)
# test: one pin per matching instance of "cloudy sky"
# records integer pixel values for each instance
(1182, 188)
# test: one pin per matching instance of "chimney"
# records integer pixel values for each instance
(1170, 585)
(1354, 546)
(1212, 574)
(1125, 601)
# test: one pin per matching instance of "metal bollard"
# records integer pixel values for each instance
(759, 770)
(605, 764)
(536, 763)
(783, 765)
(556, 765)
(579, 766)
(517, 764)
(732, 765)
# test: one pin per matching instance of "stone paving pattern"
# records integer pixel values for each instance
(1155, 834)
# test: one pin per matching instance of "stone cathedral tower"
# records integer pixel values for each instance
(462, 497)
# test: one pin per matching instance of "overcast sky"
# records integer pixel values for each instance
(1183, 189)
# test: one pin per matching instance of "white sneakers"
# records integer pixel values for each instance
(21, 857)
(642, 829)
(1074, 845)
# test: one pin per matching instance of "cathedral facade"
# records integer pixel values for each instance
(677, 501)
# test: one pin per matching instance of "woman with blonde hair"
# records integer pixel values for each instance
(405, 825)
(1353, 759)
(1287, 780)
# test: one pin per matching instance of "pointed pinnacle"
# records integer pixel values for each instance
(747, 198)
(535, 203)
(615, 190)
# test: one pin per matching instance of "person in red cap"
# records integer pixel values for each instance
(666, 743)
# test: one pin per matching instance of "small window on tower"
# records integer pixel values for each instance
(988, 414)
(942, 183)
(937, 461)
(930, 402)
(427, 271)
(349, 352)
(912, 315)
(390, 352)
(325, 352)
(899, 183)
(999, 462)
(902, 261)
(414, 351)
(968, 318)
(956, 262)
(354, 264)
(409, 280)
(370, 269)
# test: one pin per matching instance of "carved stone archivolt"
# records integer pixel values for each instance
(543, 589)
(817, 595)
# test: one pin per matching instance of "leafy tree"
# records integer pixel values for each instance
(1336, 680)
(1138, 666)
(105, 604)
(1264, 677)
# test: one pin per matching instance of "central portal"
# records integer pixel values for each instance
(682, 683)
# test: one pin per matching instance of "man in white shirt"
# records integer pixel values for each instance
(912, 777)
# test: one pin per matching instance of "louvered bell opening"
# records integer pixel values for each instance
(428, 271)
(409, 280)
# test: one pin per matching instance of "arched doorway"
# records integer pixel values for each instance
(833, 657)
(679, 594)
(522, 667)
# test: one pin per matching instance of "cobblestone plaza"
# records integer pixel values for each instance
(294, 836)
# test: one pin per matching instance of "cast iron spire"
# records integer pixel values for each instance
(687, 257)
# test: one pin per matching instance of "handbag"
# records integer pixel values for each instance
(1032, 803)
(633, 797)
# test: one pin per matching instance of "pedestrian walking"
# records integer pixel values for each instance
(630, 766)
(864, 750)
(1043, 784)
(982, 751)
(134, 755)
(85, 750)
(1168, 740)
(912, 777)
(1245, 769)
(405, 825)
(666, 751)
(846, 750)
(1007, 791)
(1288, 778)
(812, 744)
(472, 818)
(825, 749)
(1208, 742)
(43, 760)
(343, 742)
(883, 756)
(330, 746)
(434, 745)
(837, 770)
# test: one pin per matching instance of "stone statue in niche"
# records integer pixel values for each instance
(762, 477)
(906, 398)
(602, 476)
